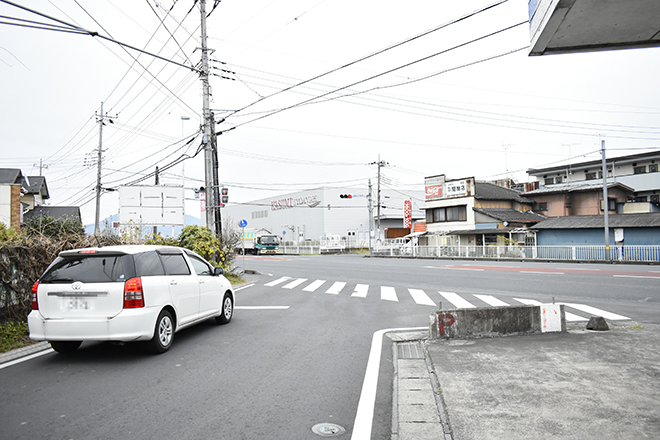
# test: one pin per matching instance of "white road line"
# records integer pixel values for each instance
(26, 358)
(457, 301)
(635, 276)
(364, 416)
(569, 316)
(596, 312)
(388, 294)
(336, 288)
(262, 307)
(294, 283)
(315, 285)
(545, 273)
(244, 287)
(277, 281)
(361, 290)
(421, 297)
(491, 300)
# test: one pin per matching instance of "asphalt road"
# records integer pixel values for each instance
(291, 358)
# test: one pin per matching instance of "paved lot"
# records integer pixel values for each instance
(577, 385)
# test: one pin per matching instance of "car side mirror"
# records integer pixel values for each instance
(218, 271)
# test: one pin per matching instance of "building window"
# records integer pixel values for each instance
(549, 181)
(540, 206)
(591, 176)
(639, 170)
(611, 203)
(640, 199)
(448, 214)
(653, 168)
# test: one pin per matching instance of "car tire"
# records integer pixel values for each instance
(65, 347)
(163, 333)
(226, 311)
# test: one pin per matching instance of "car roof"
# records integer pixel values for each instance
(123, 249)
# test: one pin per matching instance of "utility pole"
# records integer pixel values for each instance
(100, 118)
(207, 126)
(41, 167)
(380, 163)
(157, 183)
(606, 204)
(371, 218)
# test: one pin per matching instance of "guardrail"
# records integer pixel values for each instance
(649, 253)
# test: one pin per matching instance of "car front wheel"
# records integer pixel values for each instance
(65, 346)
(227, 310)
(163, 333)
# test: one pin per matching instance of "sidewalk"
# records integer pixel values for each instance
(576, 385)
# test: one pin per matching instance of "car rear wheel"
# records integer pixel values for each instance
(65, 346)
(163, 333)
(227, 310)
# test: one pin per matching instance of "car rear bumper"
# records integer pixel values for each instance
(129, 325)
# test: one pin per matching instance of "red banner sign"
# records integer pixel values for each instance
(407, 214)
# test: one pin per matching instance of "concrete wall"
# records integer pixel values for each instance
(487, 322)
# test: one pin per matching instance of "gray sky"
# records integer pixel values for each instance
(437, 104)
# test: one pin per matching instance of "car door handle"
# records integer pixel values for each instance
(173, 283)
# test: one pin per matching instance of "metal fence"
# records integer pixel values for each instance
(577, 253)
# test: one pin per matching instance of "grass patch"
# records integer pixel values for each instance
(234, 278)
(14, 335)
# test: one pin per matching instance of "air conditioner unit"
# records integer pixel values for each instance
(655, 199)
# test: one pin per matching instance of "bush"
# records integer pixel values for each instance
(202, 241)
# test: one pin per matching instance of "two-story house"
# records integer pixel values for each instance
(467, 212)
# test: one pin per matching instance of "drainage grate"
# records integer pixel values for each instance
(328, 429)
(410, 350)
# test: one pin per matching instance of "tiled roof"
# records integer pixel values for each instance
(57, 212)
(639, 220)
(10, 175)
(490, 191)
(576, 187)
(511, 215)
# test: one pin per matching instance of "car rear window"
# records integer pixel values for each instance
(90, 269)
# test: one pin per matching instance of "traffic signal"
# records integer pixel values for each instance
(345, 196)
(224, 192)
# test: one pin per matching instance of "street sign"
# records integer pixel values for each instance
(242, 223)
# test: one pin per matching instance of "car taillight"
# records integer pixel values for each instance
(133, 297)
(35, 302)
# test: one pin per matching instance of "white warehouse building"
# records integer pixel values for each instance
(325, 212)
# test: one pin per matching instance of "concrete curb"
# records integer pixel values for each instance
(418, 411)
(18, 353)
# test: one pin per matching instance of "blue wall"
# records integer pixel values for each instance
(564, 237)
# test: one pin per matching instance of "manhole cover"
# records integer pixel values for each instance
(327, 429)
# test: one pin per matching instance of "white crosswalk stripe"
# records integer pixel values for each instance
(596, 312)
(315, 285)
(570, 317)
(457, 301)
(388, 294)
(336, 288)
(491, 300)
(278, 281)
(294, 283)
(419, 296)
(361, 290)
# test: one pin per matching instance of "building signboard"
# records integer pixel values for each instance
(434, 187)
(407, 214)
(457, 188)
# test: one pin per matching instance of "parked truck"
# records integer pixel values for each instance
(259, 241)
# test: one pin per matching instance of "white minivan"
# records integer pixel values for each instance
(124, 294)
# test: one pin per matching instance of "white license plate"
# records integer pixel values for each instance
(69, 304)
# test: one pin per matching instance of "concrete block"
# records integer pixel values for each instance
(420, 431)
(496, 321)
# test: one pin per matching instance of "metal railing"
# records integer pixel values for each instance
(649, 253)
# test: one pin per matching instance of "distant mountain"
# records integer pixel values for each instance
(166, 231)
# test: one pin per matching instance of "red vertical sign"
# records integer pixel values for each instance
(407, 214)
